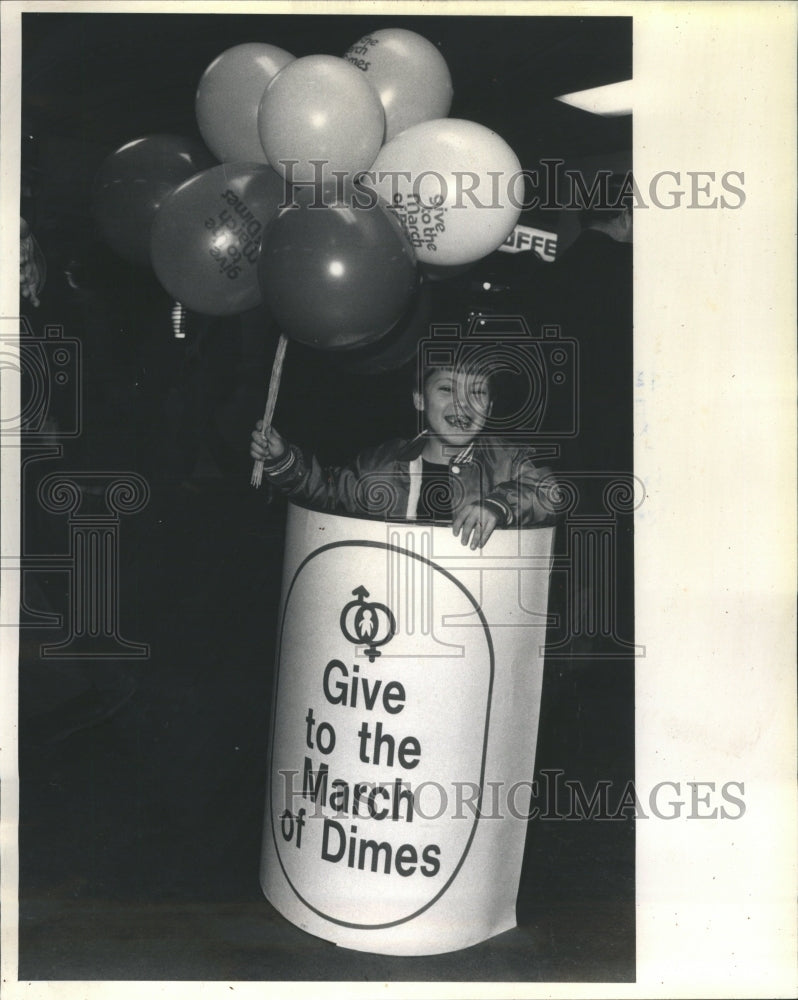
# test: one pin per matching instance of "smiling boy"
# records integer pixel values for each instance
(452, 472)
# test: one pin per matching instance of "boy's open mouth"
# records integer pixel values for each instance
(460, 423)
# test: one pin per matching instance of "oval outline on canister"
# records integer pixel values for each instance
(367, 543)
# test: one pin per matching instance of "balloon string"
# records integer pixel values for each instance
(271, 402)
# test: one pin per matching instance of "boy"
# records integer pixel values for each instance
(451, 472)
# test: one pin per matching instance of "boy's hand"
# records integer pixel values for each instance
(266, 449)
(476, 521)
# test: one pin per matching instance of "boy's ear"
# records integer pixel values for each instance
(418, 400)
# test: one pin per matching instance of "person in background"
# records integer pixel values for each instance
(591, 299)
(32, 265)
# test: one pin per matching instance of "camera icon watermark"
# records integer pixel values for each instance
(49, 368)
(533, 377)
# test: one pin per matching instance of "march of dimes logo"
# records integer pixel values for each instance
(372, 718)
(361, 621)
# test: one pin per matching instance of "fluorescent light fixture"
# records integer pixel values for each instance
(614, 99)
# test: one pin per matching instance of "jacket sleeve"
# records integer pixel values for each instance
(529, 494)
(362, 487)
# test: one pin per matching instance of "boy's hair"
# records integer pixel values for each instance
(474, 366)
(458, 354)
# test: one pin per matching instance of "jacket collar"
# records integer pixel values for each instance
(413, 448)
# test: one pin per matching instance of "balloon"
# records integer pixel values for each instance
(399, 346)
(228, 97)
(132, 183)
(320, 108)
(461, 193)
(334, 274)
(206, 237)
(409, 74)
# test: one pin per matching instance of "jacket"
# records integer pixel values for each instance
(384, 481)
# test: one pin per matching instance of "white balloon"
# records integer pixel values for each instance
(320, 108)
(456, 187)
(228, 97)
(409, 74)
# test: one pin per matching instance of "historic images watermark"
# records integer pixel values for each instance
(551, 796)
(49, 366)
(340, 805)
(548, 187)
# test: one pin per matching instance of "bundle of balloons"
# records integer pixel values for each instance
(341, 190)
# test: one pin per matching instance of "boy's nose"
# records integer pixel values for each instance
(471, 407)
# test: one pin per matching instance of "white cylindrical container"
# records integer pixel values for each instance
(404, 724)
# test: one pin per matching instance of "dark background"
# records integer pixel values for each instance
(142, 781)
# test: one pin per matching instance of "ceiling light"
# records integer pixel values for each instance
(614, 99)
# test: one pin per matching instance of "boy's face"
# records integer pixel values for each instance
(456, 405)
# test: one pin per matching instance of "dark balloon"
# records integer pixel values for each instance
(334, 274)
(206, 237)
(399, 346)
(133, 182)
